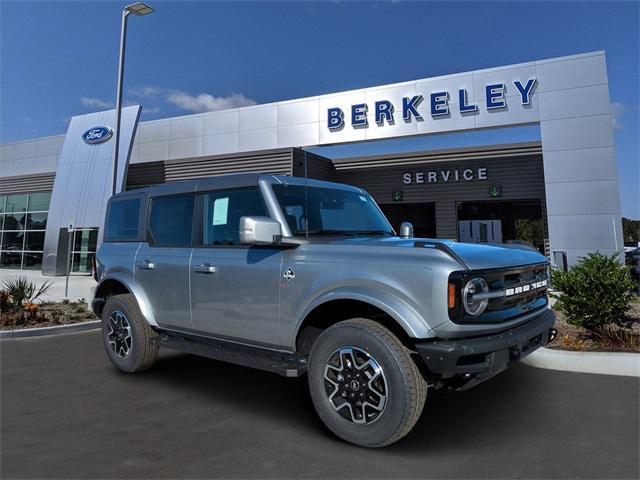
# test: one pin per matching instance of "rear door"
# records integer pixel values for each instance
(234, 287)
(162, 263)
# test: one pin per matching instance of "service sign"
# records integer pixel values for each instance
(97, 135)
(440, 104)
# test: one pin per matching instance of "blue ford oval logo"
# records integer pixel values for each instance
(97, 135)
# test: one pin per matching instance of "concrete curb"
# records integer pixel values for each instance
(607, 363)
(55, 330)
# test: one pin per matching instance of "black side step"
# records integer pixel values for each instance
(287, 365)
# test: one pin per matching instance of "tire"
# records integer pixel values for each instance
(378, 413)
(134, 350)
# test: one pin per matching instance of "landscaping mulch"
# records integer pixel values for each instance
(571, 337)
(49, 314)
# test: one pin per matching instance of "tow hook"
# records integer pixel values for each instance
(553, 333)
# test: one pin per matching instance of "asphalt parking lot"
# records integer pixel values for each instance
(66, 413)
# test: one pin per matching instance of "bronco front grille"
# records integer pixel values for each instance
(512, 292)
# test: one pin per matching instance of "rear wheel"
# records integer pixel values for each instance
(364, 385)
(126, 335)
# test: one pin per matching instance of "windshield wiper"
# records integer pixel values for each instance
(372, 232)
(324, 232)
(348, 233)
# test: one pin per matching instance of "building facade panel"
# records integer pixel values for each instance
(597, 163)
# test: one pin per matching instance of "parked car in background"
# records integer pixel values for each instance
(299, 276)
(632, 258)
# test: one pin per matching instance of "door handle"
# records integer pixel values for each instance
(205, 268)
(146, 265)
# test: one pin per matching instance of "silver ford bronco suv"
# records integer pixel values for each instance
(292, 275)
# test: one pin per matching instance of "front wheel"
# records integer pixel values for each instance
(364, 385)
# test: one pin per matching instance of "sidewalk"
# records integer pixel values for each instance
(80, 286)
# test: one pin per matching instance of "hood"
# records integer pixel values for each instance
(472, 255)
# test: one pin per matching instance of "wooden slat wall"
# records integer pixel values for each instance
(145, 174)
(42, 182)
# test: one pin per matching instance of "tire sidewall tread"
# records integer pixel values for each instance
(144, 351)
(406, 398)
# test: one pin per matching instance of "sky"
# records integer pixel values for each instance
(59, 59)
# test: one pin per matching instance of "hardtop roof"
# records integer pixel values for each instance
(221, 182)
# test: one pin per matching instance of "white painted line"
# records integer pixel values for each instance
(54, 330)
(607, 363)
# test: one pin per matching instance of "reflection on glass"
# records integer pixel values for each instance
(14, 221)
(39, 201)
(12, 240)
(82, 262)
(34, 241)
(85, 240)
(16, 203)
(21, 233)
(32, 261)
(10, 259)
(37, 221)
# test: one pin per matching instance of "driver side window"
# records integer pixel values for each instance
(222, 211)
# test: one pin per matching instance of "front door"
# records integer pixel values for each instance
(162, 264)
(234, 288)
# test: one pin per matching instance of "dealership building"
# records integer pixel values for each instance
(559, 193)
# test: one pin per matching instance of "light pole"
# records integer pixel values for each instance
(137, 9)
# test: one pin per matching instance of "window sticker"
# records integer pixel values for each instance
(220, 211)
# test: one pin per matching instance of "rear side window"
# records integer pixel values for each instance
(171, 221)
(123, 220)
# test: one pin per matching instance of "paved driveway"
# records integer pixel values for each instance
(67, 413)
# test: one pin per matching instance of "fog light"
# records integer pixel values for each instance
(471, 305)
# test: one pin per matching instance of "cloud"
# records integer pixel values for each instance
(205, 102)
(617, 111)
(95, 103)
(146, 91)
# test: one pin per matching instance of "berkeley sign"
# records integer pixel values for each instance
(384, 110)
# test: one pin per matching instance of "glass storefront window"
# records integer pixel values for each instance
(12, 241)
(23, 221)
(37, 221)
(84, 249)
(39, 202)
(14, 221)
(82, 262)
(34, 241)
(17, 203)
(85, 240)
(10, 259)
(32, 261)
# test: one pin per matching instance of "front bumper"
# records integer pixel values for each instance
(465, 362)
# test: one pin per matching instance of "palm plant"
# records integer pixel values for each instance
(22, 291)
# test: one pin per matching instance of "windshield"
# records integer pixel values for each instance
(330, 211)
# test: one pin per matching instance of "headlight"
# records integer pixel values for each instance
(473, 306)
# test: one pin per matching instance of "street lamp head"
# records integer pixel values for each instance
(139, 9)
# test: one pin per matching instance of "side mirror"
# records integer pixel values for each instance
(259, 231)
(406, 230)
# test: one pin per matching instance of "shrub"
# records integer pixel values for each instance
(20, 291)
(595, 293)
